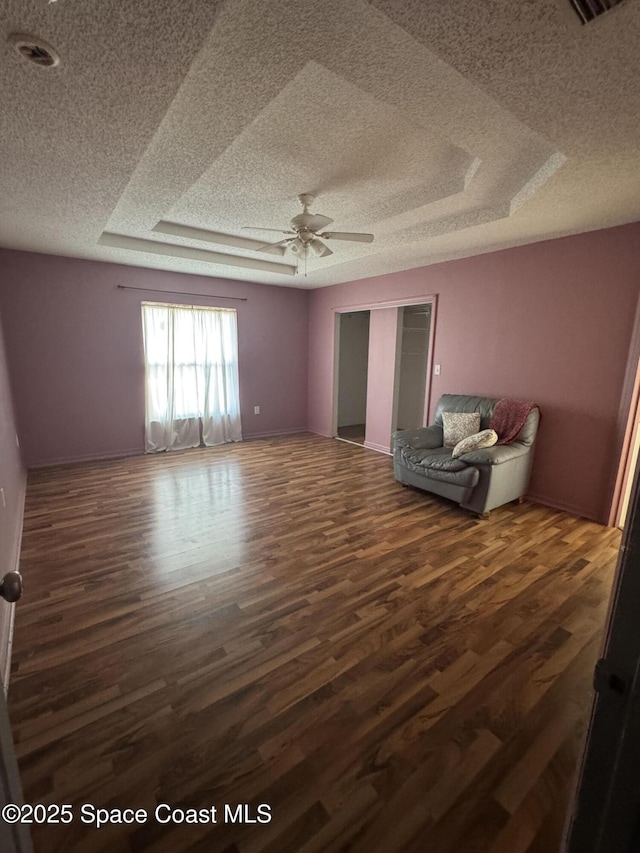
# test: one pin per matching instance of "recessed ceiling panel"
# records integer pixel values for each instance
(363, 158)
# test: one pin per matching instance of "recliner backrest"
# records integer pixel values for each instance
(466, 403)
(486, 406)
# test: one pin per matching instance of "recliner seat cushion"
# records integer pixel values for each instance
(437, 464)
(438, 458)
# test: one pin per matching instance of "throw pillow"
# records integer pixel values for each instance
(459, 425)
(486, 438)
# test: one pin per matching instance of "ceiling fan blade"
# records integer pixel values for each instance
(317, 221)
(275, 230)
(319, 249)
(347, 235)
(269, 247)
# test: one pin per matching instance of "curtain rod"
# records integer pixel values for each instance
(181, 293)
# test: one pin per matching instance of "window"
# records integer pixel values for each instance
(191, 367)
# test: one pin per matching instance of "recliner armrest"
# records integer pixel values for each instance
(425, 438)
(495, 455)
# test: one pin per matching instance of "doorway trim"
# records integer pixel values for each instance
(372, 306)
(628, 413)
(627, 464)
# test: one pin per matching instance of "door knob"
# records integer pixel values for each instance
(11, 586)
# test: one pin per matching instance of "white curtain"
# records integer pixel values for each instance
(191, 371)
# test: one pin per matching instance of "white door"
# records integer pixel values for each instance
(606, 814)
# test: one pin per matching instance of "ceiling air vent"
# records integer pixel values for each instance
(35, 50)
(589, 10)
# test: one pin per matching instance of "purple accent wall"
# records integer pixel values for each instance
(74, 347)
(549, 322)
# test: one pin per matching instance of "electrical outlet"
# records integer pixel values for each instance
(256, 410)
(436, 370)
(4, 504)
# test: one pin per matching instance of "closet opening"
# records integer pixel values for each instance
(383, 354)
(412, 364)
(353, 367)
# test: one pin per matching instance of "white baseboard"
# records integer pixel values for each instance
(91, 457)
(370, 445)
(379, 447)
(294, 431)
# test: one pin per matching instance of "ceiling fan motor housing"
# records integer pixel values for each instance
(302, 221)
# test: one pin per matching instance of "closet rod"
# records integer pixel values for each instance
(181, 293)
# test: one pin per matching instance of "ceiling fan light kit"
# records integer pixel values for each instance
(306, 235)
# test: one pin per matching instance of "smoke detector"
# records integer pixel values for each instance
(35, 50)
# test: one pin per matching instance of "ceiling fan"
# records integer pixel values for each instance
(306, 234)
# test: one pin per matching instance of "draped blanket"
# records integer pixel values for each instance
(508, 418)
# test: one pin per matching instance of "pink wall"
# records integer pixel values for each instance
(74, 346)
(383, 329)
(549, 322)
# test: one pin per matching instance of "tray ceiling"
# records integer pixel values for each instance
(446, 130)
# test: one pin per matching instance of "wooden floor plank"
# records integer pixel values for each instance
(280, 622)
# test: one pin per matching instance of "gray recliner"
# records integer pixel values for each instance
(479, 480)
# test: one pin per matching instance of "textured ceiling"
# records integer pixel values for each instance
(445, 129)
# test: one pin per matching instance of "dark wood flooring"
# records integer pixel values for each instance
(279, 622)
